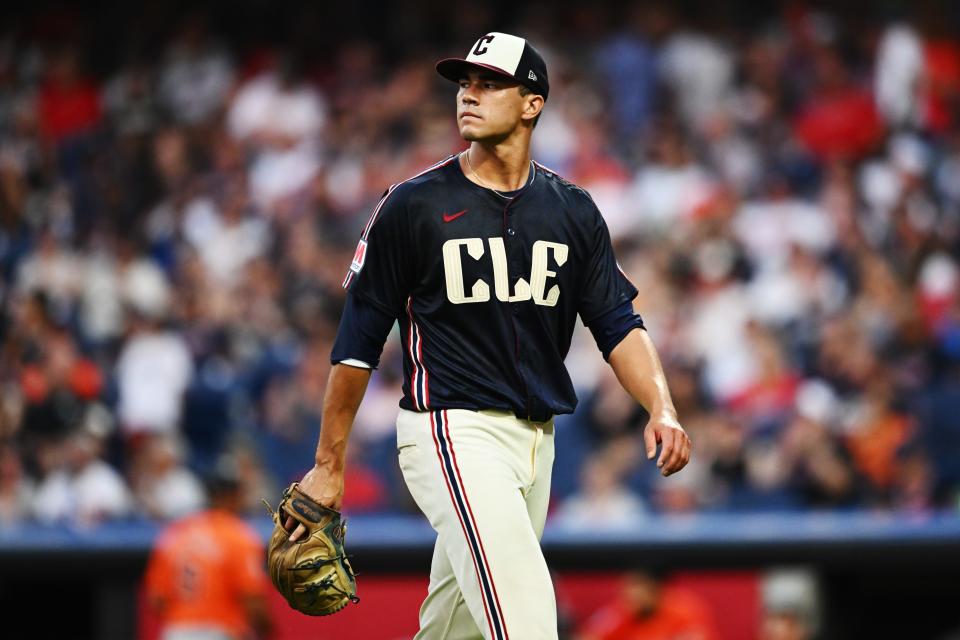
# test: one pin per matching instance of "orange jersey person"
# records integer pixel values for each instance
(205, 577)
(649, 611)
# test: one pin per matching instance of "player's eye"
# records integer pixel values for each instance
(464, 84)
(489, 85)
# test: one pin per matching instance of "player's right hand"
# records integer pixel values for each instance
(324, 486)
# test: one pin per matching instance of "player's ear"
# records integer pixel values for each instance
(532, 106)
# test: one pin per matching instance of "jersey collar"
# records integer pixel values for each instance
(489, 193)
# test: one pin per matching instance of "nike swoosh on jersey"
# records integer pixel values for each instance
(450, 217)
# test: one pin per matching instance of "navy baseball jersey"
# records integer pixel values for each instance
(486, 288)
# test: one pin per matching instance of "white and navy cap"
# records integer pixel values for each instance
(504, 54)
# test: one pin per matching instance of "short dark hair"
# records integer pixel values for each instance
(524, 92)
(224, 478)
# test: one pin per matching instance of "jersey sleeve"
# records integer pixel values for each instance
(382, 266)
(363, 330)
(604, 287)
(612, 327)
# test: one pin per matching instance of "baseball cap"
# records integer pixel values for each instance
(505, 55)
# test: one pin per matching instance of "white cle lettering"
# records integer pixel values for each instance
(535, 288)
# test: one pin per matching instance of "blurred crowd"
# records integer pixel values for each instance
(179, 204)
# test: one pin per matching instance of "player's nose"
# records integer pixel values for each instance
(468, 93)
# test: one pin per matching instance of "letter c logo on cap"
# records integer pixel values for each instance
(479, 50)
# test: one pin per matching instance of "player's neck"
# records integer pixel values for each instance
(504, 166)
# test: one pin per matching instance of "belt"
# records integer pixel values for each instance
(533, 417)
(537, 417)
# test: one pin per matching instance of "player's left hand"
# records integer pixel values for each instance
(664, 429)
(323, 486)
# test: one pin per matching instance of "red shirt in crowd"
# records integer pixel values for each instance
(840, 125)
(680, 615)
(68, 108)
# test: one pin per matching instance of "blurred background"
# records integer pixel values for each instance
(181, 189)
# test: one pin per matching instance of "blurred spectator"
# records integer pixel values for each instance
(79, 487)
(815, 466)
(153, 370)
(53, 269)
(609, 412)
(196, 74)
(117, 281)
(69, 102)
(724, 453)
(593, 167)
(900, 75)
(290, 423)
(254, 479)
(16, 490)
(279, 117)
(790, 605)
(875, 437)
(942, 64)
(227, 237)
(130, 102)
(771, 393)
(627, 63)
(678, 494)
(668, 190)
(366, 485)
(699, 71)
(716, 332)
(205, 576)
(56, 384)
(840, 120)
(603, 502)
(651, 609)
(163, 487)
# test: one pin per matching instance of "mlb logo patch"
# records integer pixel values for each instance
(359, 256)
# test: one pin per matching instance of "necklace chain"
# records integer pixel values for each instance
(466, 154)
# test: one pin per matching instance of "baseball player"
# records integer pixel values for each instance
(485, 259)
(205, 577)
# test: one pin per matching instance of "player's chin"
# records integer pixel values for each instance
(471, 133)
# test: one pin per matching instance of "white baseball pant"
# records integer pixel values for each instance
(482, 478)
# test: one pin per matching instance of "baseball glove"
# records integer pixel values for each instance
(313, 573)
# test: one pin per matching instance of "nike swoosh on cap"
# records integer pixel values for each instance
(450, 217)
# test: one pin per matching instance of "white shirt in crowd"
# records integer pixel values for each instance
(153, 371)
(174, 494)
(108, 286)
(97, 492)
(296, 114)
(225, 247)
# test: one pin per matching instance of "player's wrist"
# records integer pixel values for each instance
(663, 410)
(329, 463)
(330, 456)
